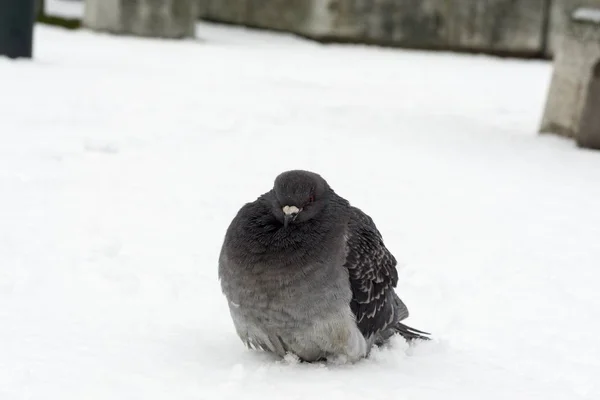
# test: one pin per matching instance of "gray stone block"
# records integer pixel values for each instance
(588, 135)
(152, 18)
(577, 54)
(559, 18)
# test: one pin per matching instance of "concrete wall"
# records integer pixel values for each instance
(496, 26)
(154, 18)
(102, 15)
(502, 26)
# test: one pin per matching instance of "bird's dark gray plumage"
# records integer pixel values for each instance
(307, 273)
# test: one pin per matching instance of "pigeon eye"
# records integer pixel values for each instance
(311, 199)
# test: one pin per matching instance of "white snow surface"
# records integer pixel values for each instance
(123, 160)
(587, 14)
(65, 8)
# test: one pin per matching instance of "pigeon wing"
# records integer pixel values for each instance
(373, 277)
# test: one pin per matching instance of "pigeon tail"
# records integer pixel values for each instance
(409, 333)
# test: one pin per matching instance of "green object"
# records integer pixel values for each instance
(16, 28)
(67, 23)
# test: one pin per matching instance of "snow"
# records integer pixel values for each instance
(65, 8)
(587, 14)
(123, 160)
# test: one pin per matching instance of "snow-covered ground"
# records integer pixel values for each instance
(123, 160)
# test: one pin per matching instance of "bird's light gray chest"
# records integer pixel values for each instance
(305, 311)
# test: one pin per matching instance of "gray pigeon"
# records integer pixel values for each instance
(306, 273)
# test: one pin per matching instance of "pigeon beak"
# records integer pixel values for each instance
(289, 214)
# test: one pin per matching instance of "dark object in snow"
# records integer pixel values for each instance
(306, 273)
(16, 28)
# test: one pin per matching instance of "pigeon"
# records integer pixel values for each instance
(307, 274)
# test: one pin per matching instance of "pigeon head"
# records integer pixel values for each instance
(299, 196)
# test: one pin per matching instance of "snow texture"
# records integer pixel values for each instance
(123, 160)
(587, 15)
(65, 8)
